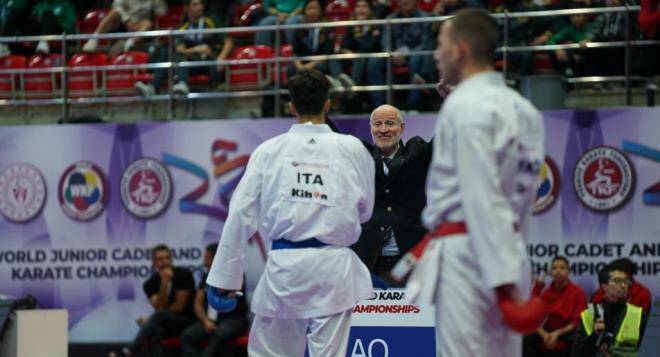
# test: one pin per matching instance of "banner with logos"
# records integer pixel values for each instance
(80, 205)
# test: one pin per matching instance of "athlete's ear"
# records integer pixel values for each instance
(292, 109)
(326, 106)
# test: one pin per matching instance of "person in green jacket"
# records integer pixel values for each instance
(572, 61)
(14, 15)
(53, 17)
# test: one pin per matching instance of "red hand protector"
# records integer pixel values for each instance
(525, 317)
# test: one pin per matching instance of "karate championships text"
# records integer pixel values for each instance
(588, 258)
(90, 263)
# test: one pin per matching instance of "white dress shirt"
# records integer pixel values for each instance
(307, 183)
(486, 155)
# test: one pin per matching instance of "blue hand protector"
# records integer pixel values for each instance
(221, 302)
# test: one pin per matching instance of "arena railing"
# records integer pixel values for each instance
(277, 90)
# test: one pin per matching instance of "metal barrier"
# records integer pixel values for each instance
(65, 101)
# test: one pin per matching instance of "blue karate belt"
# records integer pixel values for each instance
(307, 243)
(219, 301)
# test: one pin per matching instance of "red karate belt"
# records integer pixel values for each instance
(408, 261)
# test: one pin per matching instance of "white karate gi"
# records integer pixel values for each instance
(307, 183)
(487, 151)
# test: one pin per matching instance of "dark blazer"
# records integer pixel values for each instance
(400, 198)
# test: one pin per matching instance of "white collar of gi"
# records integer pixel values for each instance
(490, 77)
(309, 128)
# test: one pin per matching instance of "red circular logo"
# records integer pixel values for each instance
(603, 178)
(145, 188)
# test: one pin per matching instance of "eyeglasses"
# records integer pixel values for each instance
(620, 281)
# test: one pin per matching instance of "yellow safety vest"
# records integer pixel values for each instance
(628, 334)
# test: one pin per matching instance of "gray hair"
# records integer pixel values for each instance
(397, 112)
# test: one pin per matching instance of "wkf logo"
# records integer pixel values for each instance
(83, 191)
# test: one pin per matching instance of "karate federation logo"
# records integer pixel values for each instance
(22, 192)
(146, 188)
(83, 191)
(548, 189)
(603, 178)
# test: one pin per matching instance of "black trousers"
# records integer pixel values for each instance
(161, 324)
(227, 329)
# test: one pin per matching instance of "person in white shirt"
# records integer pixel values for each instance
(306, 191)
(480, 189)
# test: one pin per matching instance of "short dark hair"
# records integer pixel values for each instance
(604, 274)
(212, 248)
(158, 248)
(479, 30)
(309, 91)
(562, 258)
(625, 265)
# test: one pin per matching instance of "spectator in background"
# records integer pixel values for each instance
(612, 327)
(31, 17)
(566, 301)
(134, 15)
(363, 39)
(53, 17)
(192, 47)
(317, 41)
(406, 38)
(649, 23)
(14, 16)
(526, 31)
(609, 26)
(283, 12)
(638, 294)
(448, 7)
(215, 327)
(572, 62)
(170, 291)
(394, 227)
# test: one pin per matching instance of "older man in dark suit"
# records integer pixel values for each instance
(401, 169)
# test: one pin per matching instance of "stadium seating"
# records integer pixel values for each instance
(10, 83)
(43, 85)
(86, 83)
(90, 21)
(250, 76)
(121, 82)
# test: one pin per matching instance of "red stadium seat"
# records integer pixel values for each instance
(43, 85)
(90, 22)
(172, 19)
(121, 82)
(339, 10)
(10, 86)
(542, 63)
(250, 76)
(285, 51)
(426, 5)
(86, 83)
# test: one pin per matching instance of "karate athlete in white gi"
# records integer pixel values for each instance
(480, 190)
(306, 191)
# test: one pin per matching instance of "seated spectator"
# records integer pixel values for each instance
(609, 26)
(526, 31)
(170, 291)
(191, 47)
(448, 7)
(566, 301)
(134, 15)
(406, 38)
(53, 17)
(612, 327)
(362, 39)
(215, 327)
(45, 17)
(649, 22)
(572, 62)
(313, 42)
(638, 294)
(283, 12)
